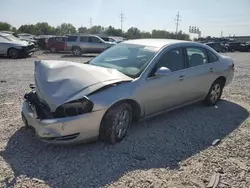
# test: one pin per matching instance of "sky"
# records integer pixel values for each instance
(213, 17)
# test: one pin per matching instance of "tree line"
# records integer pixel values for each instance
(43, 28)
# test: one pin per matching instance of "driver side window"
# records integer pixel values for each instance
(172, 59)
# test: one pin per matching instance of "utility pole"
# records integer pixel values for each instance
(177, 22)
(221, 34)
(122, 19)
(90, 22)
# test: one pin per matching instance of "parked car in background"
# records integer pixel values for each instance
(56, 44)
(80, 44)
(108, 39)
(27, 37)
(42, 40)
(238, 46)
(217, 46)
(74, 102)
(14, 47)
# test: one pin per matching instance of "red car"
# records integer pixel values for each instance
(56, 44)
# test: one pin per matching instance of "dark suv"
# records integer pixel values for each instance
(217, 46)
(238, 46)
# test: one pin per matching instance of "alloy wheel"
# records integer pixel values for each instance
(122, 123)
(215, 93)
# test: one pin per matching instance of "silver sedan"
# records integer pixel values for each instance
(72, 102)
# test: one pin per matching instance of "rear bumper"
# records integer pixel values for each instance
(69, 130)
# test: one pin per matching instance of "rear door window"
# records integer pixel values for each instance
(196, 56)
(71, 38)
(84, 39)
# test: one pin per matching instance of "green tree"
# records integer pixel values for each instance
(28, 29)
(82, 30)
(133, 33)
(111, 31)
(4, 26)
(43, 28)
(13, 29)
(145, 35)
(65, 28)
(97, 29)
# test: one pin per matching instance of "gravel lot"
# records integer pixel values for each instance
(171, 150)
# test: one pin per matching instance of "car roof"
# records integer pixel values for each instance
(159, 43)
(4, 34)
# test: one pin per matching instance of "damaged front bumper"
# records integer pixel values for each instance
(67, 130)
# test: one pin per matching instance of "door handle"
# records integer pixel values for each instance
(181, 77)
(211, 70)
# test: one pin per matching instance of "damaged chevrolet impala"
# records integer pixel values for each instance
(81, 102)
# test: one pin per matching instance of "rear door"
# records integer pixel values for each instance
(71, 41)
(200, 72)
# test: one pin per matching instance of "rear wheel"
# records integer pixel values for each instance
(214, 93)
(77, 51)
(223, 50)
(52, 49)
(13, 53)
(116, 123)
(232, 50)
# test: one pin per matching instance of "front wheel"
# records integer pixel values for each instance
(13, 53)
(116, 123)
(214, 93)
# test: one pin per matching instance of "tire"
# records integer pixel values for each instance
(13, 53)
(214, 93)
(116, 123)
(77, 51)
(232, 50)
(52, 49)
(223, 50)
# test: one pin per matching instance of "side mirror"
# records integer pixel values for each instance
(163, 71)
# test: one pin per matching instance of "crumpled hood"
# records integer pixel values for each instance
(21, 42)
(59, 82)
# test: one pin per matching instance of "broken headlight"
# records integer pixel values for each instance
(74, 108)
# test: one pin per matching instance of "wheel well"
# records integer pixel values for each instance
(10, 49)
(136, 109)
(74, 47)
(221, 79)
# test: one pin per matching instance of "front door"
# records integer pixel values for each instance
(159, 93)
(97, 45)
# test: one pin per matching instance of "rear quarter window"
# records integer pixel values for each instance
(211, 57)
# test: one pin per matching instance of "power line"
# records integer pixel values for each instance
(177, 22)
(122, 20)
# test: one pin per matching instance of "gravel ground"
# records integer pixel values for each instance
(171, 150)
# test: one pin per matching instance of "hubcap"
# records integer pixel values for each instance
(13, 53)
(77, 52)
(215, 93)
(122, 123)
(53, 49)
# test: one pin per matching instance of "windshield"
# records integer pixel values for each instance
(11, 38)
(130, 59)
